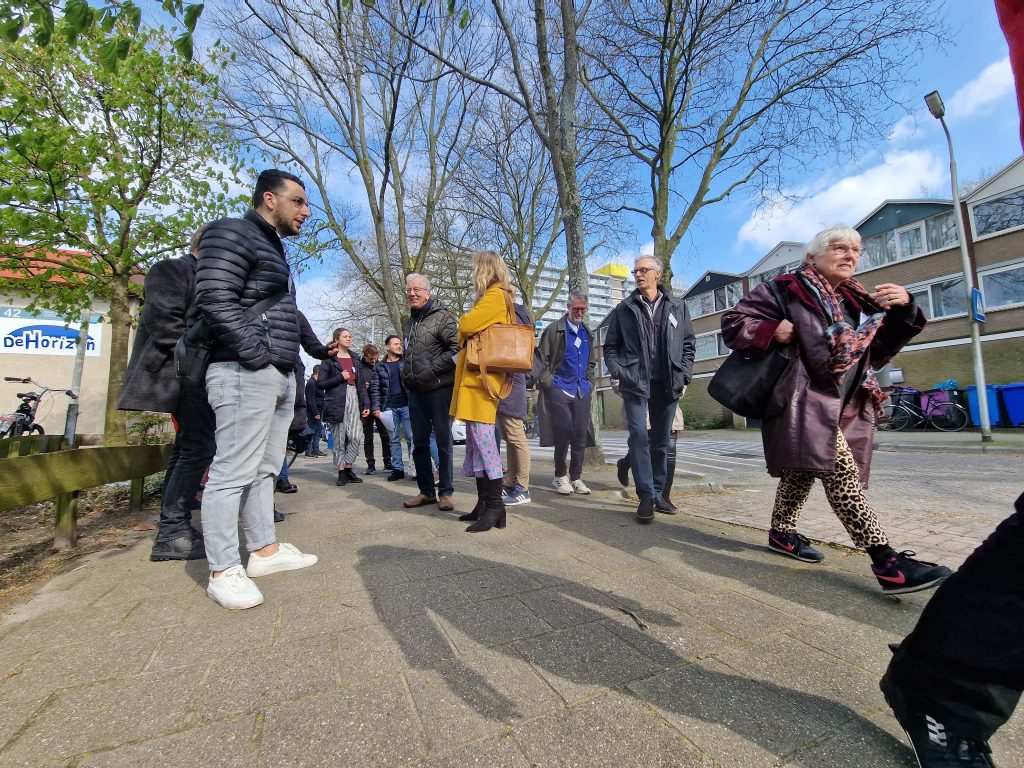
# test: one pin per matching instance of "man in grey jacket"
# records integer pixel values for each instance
(649, 348)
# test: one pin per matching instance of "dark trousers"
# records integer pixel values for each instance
(648, 449)
(428, 411)
(570, 422)
(194, 447)
(371, 424)
(963, 664)
(317, 426)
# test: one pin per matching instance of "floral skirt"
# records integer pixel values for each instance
(483, 458)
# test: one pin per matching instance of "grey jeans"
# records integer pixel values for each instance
(254, 410)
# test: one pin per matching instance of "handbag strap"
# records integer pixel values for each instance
(774, 288)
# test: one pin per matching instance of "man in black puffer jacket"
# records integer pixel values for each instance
(250, 384)
(428, 373)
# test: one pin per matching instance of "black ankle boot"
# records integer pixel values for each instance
(493, 514)
(481, 502)
(352, 476)
(342, 478)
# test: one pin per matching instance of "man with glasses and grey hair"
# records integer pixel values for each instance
(428, 374)
(564, 366)
(649, 349)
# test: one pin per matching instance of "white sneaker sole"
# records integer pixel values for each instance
(255, 571)
(238, 606)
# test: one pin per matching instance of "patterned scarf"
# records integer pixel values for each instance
(847, 344)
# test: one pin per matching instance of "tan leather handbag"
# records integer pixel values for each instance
(501, 348)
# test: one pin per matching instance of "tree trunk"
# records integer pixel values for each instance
(115, 431)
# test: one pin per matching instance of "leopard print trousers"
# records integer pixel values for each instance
(844, 494)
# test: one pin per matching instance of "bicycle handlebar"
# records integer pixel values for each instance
(29, 380)
(18, 379)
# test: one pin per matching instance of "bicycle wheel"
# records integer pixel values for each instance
(896, 418)
(948, 417)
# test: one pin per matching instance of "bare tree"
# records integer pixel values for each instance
(329, 88)
(713, 95)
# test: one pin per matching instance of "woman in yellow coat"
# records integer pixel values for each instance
(471, 400)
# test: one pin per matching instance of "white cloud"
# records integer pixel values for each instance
(993, 85)
(901, 175)
(906, 128)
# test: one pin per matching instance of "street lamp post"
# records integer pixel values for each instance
(938, 110)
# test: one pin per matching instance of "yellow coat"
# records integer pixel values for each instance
(470, 400)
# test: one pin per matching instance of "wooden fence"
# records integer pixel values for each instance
(34, 469)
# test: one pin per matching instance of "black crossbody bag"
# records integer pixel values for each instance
(744, 383)
(195, 347)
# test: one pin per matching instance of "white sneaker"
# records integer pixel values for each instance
(287, 558)
(579, 487)
(233, 589)
(563, 486)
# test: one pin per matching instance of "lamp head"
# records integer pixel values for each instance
(935, 105)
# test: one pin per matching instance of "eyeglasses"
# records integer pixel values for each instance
(416, 291)
(299, 201)
(844, 249)
(643, 270)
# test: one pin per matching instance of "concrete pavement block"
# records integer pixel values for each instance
(611, 731)
(476, 695)
(569, 604)
(229, 634)
(491, 622)
(372, 726)
(403, 599)
(319, 615)
(738, 615)
(380, 650)
(228, 743)
(683, 639)
(492, 752)
(496, 581)
(734, 721)
(585, 660)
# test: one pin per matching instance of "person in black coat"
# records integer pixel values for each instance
(371, 423)
(151, 384)
(314, 413)
(649, 348)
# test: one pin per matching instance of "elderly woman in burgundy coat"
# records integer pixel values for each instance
(820, 418)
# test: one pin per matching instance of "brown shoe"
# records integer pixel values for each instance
(445, 503)
(419, 500)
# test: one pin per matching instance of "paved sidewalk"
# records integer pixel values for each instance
(574, 637)
(1003, 440)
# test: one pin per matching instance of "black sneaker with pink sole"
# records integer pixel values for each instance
(903, 574)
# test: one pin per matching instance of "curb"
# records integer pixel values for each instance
(958, 448)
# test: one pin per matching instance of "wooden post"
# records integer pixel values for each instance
(136, 494)
(66, 534)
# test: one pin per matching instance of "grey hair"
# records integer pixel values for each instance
(658, 266)
(412, 275)
(821, 241)
(576, 296)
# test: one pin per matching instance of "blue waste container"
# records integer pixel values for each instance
(993, 405)
(1013, 400)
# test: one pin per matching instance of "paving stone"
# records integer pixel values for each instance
(612, 731)
(683, 639)
(858, 644)
(259, 677)
(69, 666)
(568, 604)
(870, 740)
(228, 743)
(734, 721)
(317, 616)
(496, 581)
(738, 614)
(131, 709)
(499, 752)
(402, 600)
(585, 660)
(15, 713)
(430, 565)
(491, 622)
(476, 695)
(231, 633)
(372, 726)
(59, 627)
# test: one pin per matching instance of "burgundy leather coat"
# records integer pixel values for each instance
(805, 411)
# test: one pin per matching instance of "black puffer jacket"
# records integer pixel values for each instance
(431, 342)
(241, 262)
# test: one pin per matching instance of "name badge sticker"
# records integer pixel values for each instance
(672, 319)
(579, 342)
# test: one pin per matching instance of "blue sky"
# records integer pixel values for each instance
(973, 76)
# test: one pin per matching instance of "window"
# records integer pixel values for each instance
(941, 231)
(1003, 288)
(931, 234)
(944, 298)
(710, 345)
(701, 304)
(717, 300)
(1004, 212)
(878, 250)
(911, 241)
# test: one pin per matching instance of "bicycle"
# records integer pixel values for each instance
(900, 414)
(23, 420)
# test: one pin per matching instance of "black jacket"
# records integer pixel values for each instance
(380, 386)
(431, 343)
(626, 351)
(314, 398)
(150, 382)
(335, 389)
(365, 374)
(241, 262)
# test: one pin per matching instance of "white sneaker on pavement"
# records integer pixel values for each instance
(234, 590)
(579, 487)
(287, 558)
(563, 486)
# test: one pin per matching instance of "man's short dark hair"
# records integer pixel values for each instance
(272, 180)
(389, 338)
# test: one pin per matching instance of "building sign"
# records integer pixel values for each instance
(977, 305)
(44, 333)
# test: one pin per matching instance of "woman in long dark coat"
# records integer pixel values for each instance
(821, 416)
